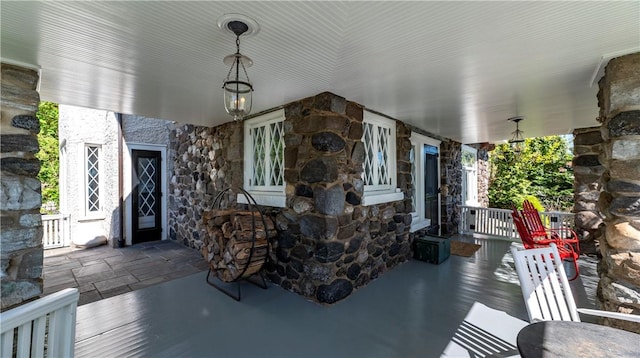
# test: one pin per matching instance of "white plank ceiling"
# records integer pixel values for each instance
(457, 69)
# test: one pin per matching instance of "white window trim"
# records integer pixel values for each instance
(86, 214)
(264, 195)
(377, 194)
(417, 140)
(474, 187)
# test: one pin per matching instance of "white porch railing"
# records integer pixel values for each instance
(558, 220)
(498, 222)
(43, 328)
(487, 221)
(55, 231)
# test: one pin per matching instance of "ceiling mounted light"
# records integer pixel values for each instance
(237, 87)
(517, 140)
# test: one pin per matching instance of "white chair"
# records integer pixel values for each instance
(546, 290)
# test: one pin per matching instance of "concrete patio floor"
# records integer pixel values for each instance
(102, 272)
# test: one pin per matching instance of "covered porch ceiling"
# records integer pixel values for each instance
(457, 69)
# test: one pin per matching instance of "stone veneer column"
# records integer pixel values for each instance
(451, 186)
(587, 185)
(20, 197)
(484, 173)
(329, 243)
(619, 101)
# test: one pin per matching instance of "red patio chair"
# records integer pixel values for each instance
(565, 250)
(533, 223)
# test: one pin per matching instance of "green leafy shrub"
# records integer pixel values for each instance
(542, 170)
(49, 155)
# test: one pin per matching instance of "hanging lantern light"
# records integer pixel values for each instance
(517, 140)
(237, 87)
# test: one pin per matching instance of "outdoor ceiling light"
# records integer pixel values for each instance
(517, 141)
(237, 87)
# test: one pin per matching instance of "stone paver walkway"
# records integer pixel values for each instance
(102, 272)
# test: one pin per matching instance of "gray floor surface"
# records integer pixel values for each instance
(412, 310)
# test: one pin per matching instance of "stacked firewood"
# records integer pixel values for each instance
(231, 236)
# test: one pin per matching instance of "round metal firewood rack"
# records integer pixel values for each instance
(243, 275)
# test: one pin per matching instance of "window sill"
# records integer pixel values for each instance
(277, 200)
(373, 199)
(92, 218)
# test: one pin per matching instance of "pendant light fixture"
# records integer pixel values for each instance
(238, 90)
(517, 140)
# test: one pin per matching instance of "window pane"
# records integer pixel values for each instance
(268, 155)
(259, 155)
(276, 154)
(414, 184)
(468, 159)
(146, 186)
(367, 140)
(383, 156)
(93, 179)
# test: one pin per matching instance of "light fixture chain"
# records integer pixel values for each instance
(245, 73)
(228, 74)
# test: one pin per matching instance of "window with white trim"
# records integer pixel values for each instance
(469, 159)
(92, 177)
(264, 159)
(379, 168)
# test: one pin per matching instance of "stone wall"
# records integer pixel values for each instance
(21, 257)
(587, 185)
(205, 161)
(619, 202)
(329, 243)
(451, 186)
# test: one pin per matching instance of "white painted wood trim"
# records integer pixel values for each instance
(417, 140)
(419, 225)
(82, 164)
(380, 121)
(263, 120)
(61, 308)
(381, 198)
(277, 200)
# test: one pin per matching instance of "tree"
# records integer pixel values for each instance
(543, 170)
(49, 154)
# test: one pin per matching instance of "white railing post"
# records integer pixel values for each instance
(59, 309)
(467, 220)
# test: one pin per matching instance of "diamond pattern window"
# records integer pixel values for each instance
(264, 158)
(378, 137)
(146, 187)
(92, 165)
